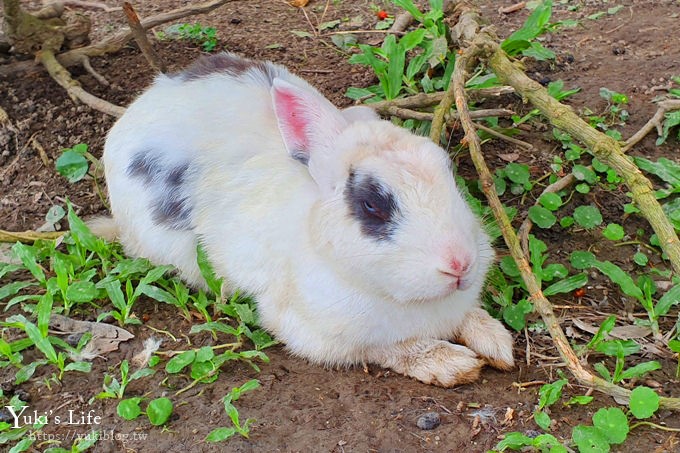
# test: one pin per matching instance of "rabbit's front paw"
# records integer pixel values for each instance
(434, 362)
(487, 337)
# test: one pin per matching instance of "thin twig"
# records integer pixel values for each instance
(488, 130)
(73, 88)
(655, 122)
(98, 77)
(29, 236)
(142, 40)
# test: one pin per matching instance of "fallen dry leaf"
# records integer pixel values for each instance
(105, 337)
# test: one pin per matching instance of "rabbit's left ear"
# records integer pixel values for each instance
(309, 125)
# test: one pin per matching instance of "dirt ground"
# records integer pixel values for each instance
(302, 407)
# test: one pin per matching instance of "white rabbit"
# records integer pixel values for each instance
(348, 230)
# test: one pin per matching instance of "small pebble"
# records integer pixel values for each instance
(428, 421)
(73, 339)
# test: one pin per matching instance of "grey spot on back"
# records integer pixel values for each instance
(372, 205)
(300, 156)
(170, 206)
(226, 63)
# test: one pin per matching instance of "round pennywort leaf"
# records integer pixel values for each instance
(644, 402)
(541, 216)
(588, 216)
(159, 411)
(613, 232)
(550, 201)
(129, 408)
(72, 165)
(613, 423)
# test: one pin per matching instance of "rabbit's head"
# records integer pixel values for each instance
(389, 217)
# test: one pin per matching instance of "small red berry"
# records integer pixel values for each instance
(580, 292)
(382, 14)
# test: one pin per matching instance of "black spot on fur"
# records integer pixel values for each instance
(170, 206)
(144, 165)
(372, 205)
(225, 63)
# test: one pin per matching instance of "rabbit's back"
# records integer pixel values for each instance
(210, 122)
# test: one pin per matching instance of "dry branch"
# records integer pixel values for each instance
(605, 148)
(29, 236)
(541, 304)
(142, 41)
(655, 122)
(117, 41)
(73, 88)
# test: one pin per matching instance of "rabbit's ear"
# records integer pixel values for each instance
(308, 122)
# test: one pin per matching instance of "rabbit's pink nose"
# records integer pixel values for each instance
(457, 267)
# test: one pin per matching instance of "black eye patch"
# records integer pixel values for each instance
(372, 205)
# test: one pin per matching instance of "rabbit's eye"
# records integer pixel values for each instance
(373, 211)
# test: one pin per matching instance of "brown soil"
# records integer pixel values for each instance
(302, 407)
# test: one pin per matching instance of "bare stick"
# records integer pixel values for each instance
(117, 41)
(605, 148)
(655, 122)
(408, 114)
(488, 130)
(29, 236)
(94, 5)
(525, 228)
(422, 100)
(98, 77)
(142, 41)
(73, 88)
(541, 304)
(512, 8)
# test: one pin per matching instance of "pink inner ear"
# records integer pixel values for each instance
(294, 124)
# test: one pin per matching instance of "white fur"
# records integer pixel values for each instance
(282, 231)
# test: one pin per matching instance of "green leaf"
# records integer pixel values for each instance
(644, 402)
(26, 372)
(329, 25)
(550, 201)
(129, 408)
(566, 221)
(640, 369)
(40, 342)
(11, 289)
(22, 445)
(640, 259)
(588, 216)
(82, 234)
(179, 362)
(550, 393)
(567, 285)
(159, 410)
(606, 327)
(621, 278)
(207, 271)
(533, 27)
(55, 214)
(220, 434)
(612, 423)
(538, 52)
(613, 232)
(517, 173)
(204, 354)
(514, 441)
(582, 260)
(72, 165)
(80, 292)
(514, 315)
(115, 294)
(542, 217)
(589, 439)
(615, 348)
(672, 297)
(83, 367)
(583, 173)
(542, 419)
(579, 399)
(412, 39)
(666, 169)
(27, 255)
